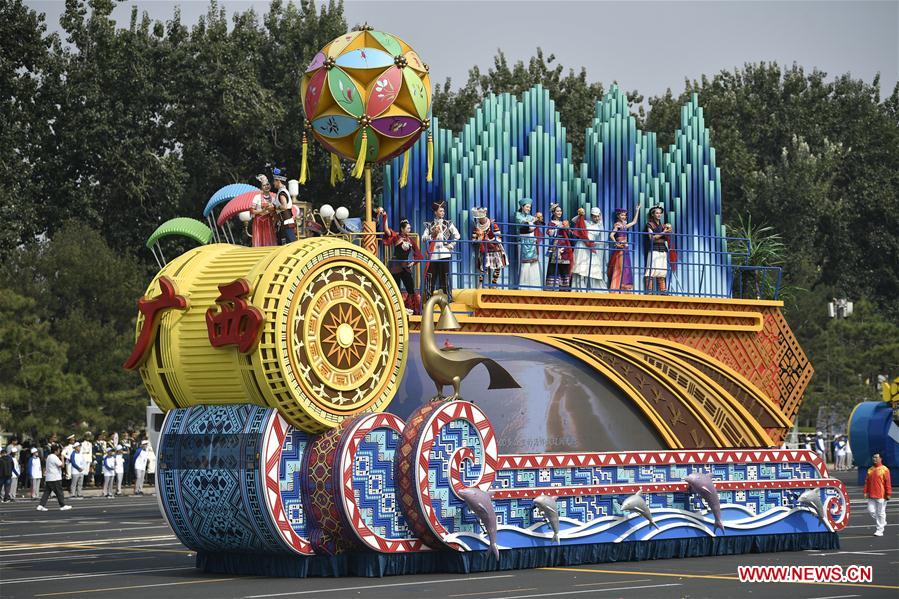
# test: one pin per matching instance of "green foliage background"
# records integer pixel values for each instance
(109, 131)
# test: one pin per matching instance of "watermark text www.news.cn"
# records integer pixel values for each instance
(806, 573)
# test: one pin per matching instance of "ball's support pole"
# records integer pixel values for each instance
(370, 240)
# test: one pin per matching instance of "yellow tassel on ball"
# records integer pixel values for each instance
(304, 169)
(336, 170)
(404, 174)
(360, 160)
(430, 157)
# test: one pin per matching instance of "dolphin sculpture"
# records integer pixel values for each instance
(703, 485)
(547, 507)
(637, 505)
(812, 498)
(480, 503)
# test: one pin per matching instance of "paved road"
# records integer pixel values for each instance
(122, 547)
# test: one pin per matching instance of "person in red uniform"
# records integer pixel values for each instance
(877, 491)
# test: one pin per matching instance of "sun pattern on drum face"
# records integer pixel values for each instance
(346, 337)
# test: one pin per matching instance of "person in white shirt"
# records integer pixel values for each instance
(820, 446)
(14, 481)
(79, 469)
(108, 471)
(119, 468)
(87, 454)
(54, 480)
(839, 454)
(140, 467)
(66, 456)
(35, 472)
(151, 464)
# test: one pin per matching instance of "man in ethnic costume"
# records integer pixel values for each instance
(489, 245)
(287, 224)
(441, 236)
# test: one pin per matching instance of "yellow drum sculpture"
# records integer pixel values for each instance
(315, 329)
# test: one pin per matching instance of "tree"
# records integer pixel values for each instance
(84, 294)
(39, 396)
(27, 60)
(849, 353)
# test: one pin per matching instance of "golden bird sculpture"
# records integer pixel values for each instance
(449, 366)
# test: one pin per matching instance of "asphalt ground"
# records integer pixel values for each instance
(122, 547)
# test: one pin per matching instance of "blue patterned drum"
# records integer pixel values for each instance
(228, 480)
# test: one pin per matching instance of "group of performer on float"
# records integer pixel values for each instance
(272, 210)
(575, 251)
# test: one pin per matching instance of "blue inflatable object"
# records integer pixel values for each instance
(872, 430)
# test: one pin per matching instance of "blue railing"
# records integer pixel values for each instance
(702, 267)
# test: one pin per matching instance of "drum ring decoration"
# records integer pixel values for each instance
(344, 336)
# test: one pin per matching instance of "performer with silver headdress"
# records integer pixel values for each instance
(491, 254)
(441, 236)
(588, 271)
(263, 211)
(529, 269)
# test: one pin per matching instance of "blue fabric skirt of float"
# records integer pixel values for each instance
(467, 562)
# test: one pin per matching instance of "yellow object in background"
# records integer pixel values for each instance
(891, 392)
(333, 341)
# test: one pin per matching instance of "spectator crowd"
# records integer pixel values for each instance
(110, 463)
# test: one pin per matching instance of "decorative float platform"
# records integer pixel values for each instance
(276, 458)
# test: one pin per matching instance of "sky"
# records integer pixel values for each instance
(644, 46)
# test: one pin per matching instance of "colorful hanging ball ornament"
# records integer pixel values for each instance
(366, 94)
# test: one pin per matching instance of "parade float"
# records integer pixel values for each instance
(310, 429)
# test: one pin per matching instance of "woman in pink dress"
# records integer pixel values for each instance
(264, 215)
(621, 275)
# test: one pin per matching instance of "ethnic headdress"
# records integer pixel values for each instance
(620, 211)
(478, 213)
(439, 204)
(524, 202)
(278, 174)
(553, 206)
